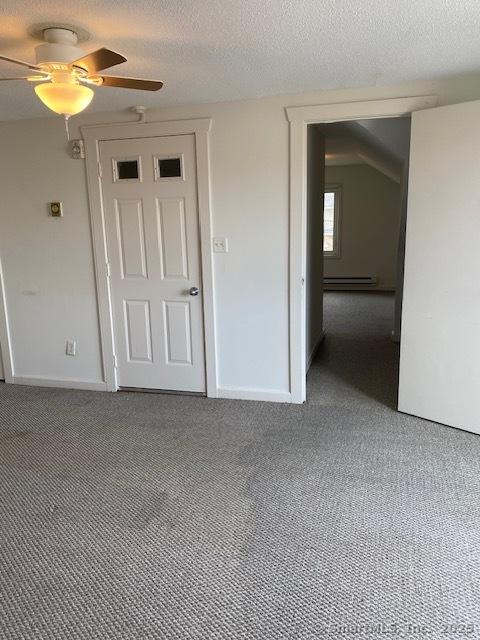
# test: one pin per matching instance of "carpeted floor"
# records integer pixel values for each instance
(139, 516)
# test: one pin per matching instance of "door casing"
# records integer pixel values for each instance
(299, 118)
(5, 342)
(92, 136)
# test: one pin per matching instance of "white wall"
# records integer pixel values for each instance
(47, 262)
(369, 224)
(397, 328)
(314, 271)
(48, 266)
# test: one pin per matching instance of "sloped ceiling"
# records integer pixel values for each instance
(351, 150)
(383, 143)
(392, 134)
(214, 50)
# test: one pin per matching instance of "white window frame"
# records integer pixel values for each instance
(337, 221)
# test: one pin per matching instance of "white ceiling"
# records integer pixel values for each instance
(214, 50)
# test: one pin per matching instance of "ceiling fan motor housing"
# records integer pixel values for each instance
(59, 46)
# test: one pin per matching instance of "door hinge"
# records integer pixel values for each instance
(99, 167)
(115, 361)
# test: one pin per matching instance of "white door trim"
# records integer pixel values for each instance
(92, 136)
(299, 118)
(5, 340)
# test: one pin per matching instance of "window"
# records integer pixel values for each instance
(331, 221)
(126, 169)
(170, 167)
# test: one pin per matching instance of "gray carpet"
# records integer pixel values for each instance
(149, 516)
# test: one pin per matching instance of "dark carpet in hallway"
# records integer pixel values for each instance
(169, 517)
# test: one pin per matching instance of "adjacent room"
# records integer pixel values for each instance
(355, 292)
(239, 312)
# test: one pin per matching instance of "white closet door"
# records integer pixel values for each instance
(149, 192)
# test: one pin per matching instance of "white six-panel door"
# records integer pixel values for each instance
(440, 339)
(150, 202)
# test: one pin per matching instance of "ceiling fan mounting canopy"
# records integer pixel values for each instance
(37, 30)
(59, 46)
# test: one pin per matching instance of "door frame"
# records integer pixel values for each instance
(92, 136)
(5, 339)
(299, 118)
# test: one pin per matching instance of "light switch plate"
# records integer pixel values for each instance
(71, 348)
(55, 209)
(220, 245)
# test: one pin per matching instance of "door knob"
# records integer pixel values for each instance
(194, 291)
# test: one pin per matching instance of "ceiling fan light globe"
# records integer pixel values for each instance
(66, 99)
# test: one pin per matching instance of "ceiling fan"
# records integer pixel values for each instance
(65, 73)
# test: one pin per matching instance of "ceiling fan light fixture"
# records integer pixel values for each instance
(66, 99)
(63, 69)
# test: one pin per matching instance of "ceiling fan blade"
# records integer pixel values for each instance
(131, 83)
(100, 59)
(28, 78)
(20, 62)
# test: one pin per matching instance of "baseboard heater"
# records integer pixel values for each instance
(350, 281)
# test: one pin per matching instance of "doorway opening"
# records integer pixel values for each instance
(357, 174)
(439, 343)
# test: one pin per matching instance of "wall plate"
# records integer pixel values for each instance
(220, 245)
(77, 150)
(55, 209)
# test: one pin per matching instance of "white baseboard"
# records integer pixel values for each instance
(338, 287)
(39, 381)
(265, 395)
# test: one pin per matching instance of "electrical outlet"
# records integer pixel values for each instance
(220, 245)
(71, 349)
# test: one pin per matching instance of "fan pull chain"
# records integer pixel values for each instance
(66, 128)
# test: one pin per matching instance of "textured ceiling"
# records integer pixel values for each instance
(214, 50)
